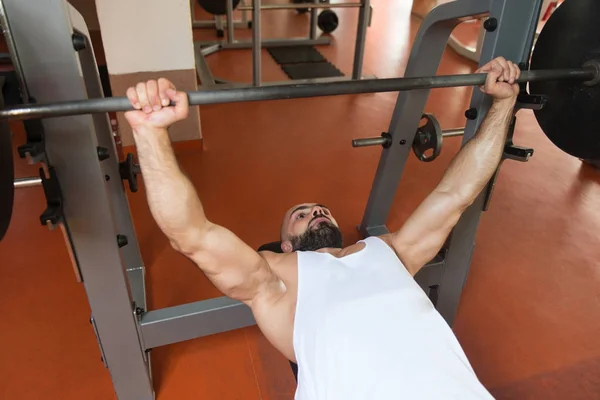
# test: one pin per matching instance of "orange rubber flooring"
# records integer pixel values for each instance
(529, 317)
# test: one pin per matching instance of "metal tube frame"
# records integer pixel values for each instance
(230, 25)
(312, 34)
(266, 43)
(256, 44)
(364, 18)
(513, 39)
(202, 69)
(470, 53)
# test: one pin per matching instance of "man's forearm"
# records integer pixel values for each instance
(172, 198)
(475, 164)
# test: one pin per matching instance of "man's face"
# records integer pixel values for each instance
(309, 227)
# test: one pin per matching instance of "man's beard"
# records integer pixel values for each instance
(325, 235)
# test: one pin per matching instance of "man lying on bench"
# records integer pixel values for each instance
(352, 318)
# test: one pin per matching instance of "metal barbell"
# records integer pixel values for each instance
(292, 91)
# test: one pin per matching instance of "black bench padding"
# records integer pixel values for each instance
(275, 247)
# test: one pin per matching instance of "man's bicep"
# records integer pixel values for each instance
(425, 231)
(233, 267)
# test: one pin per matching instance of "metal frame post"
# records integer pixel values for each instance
(193, 320)
(425, 57)
(131, 255)
(256, 44)
(230, 26)
(364, 16)
(517, 21)
(203, 70)
(313, 21)
(94, 210)
(513, 39)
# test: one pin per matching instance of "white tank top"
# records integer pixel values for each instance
(365, 330)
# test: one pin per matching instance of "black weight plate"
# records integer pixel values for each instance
(328, 21)
(217, 7)
(428, 137)
(571, 117)
(7, 176)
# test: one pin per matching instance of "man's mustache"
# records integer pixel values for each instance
(317, 217)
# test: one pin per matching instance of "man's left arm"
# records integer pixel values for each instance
(426, 230)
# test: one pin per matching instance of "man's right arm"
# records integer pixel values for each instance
(428, 227)
(234, 268)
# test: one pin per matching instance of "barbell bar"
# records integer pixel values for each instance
(587, 73)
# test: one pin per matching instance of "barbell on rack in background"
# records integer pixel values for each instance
(327, 20)
(428, 137)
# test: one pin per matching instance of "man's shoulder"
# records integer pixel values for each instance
(273, 258)
(388, 238)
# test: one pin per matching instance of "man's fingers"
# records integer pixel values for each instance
(133, 98)
(163, 86)
(511, 72)
(495, 66)
(517, 71)
(153, 99)
(512, 69)
(486, 68)
(505, 68)
(143, 97)
(492, 76)
(181, 102)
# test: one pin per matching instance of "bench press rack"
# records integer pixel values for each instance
(94, 212)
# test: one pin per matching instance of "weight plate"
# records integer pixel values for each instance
(217, 7)
(328, 21)
(571, 116)
(7, 177)
(428, 137)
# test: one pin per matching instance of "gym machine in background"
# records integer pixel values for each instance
(69, 134)
(327, 21)
(217, 9)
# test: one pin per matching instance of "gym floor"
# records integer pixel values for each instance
(528, 318)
